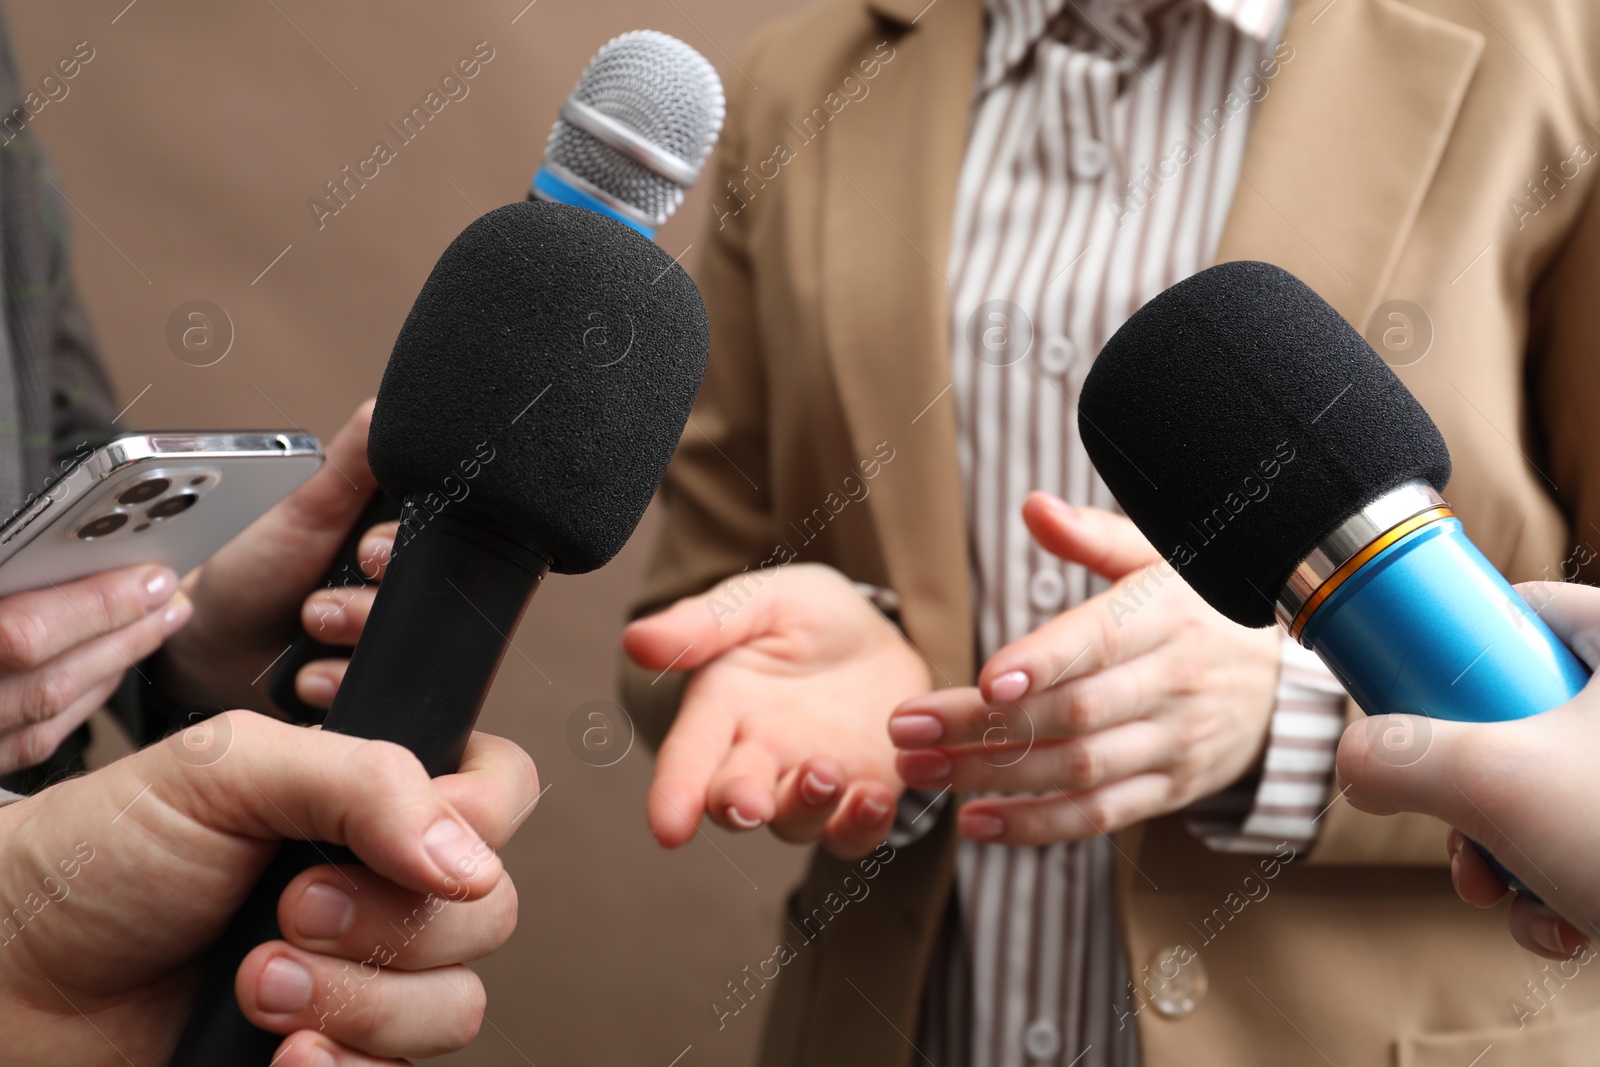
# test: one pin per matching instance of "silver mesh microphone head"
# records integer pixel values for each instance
(639, 125)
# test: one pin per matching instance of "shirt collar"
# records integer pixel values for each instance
(1015, 26)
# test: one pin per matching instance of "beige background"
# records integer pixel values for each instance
(190, 146)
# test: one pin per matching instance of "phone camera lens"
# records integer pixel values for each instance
(173, 505)
(105, 524)
(148, 489)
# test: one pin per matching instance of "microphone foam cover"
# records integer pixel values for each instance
(569, 345)
(1238, 419)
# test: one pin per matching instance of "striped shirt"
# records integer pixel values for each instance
(1104, 151)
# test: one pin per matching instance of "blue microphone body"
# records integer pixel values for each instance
(1429, 627)
(1412, 619)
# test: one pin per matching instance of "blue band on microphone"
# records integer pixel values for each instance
(550, 187)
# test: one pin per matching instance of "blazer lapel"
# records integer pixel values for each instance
(891, 169)
(1346, 143)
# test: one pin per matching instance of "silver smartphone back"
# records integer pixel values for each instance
(171, 498)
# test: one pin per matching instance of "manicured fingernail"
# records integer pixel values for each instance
(159, 584)
(323, 1058)
(284, 987)
(1013, 685)
(871, 811)
(741, 820)
(451, 847)
(980, 826)
(929, 765)
(915, 729)
(1546, 933)
(1059, 506)
(316, 689)
(325, 912)
(177, 613)
(814, 790)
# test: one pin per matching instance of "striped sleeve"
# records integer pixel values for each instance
(1285, 798)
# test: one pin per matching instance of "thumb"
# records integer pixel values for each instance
(1108, 544)
(698, 629)
(247, 776)
(1572, 612)
(1392, 763)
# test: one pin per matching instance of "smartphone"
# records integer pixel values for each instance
(171, 498)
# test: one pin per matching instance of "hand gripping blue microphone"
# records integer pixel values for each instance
(1277, 463)
(634, 133)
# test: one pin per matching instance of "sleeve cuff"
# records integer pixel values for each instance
(1284, 799)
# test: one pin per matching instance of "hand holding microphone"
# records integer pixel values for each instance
(1284, 471)
(1526, 790)
(94, 973)
(536, 392)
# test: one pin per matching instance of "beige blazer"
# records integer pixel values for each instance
(1391, 159)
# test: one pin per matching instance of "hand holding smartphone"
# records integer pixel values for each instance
(89, 568)
(164, 498)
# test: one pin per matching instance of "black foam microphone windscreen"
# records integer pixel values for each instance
(535, 395)
(575, 347)
(1238, 419)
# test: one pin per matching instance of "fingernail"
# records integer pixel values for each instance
(929, 765)
(742, 821)
(284, 987)
(1546, 933)
(177, 613)
(871, 811)
(1060, 507)
(374, 552)
(325, 912)
(814, 790)
(316, 689)
(1013, 685)
(451, 846)
(328, 609)
(915, 729)
(323, 1058)
(979, 826)
(159, 585)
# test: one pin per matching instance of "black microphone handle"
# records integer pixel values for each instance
(344, 572)
(454, 591)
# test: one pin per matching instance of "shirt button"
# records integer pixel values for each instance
(1178, 980)
(1041, 1040)
(1046, 590)
(1089, 158)
(1057, 355)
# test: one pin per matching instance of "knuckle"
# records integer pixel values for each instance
(506, 921)
(1085, 708)
(1083, 765)
(32, 745)
(1190, 675)
(22, 640)
(384, 763)
(1097, 814)
(467, 1017)
(48, 692)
